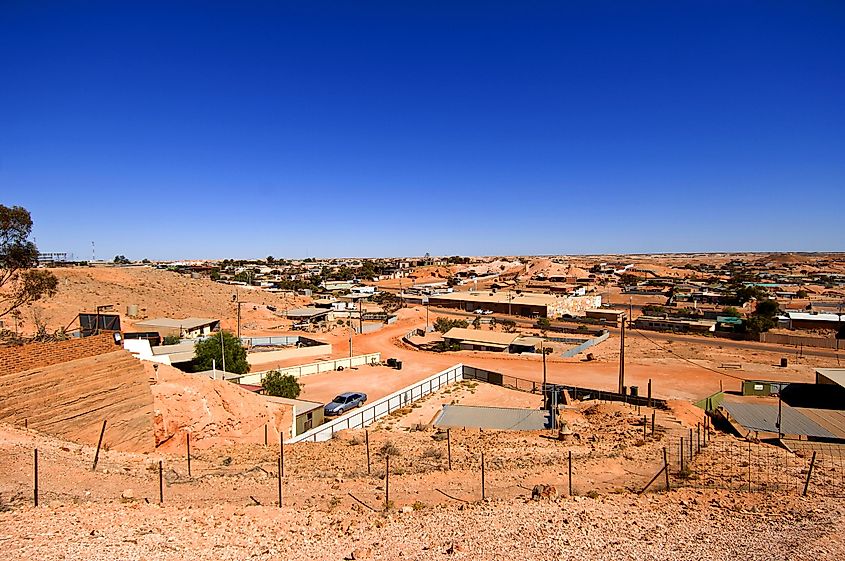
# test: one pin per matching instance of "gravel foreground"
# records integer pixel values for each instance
(682, 525)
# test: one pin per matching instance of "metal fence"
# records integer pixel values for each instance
(575, 392)
(368, 414)
(747, 465)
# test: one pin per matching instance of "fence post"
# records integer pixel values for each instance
(367, 442)
(279, 478)
(690, 445)
(682, 454)
(265, 434)
(653, 416)
(483, 490)
(282, 451)
(99, 443)
(35, 473)
(645, 426)
(570, 473)
(749, 465)
(160, 483)
(804, 494)
(666, 468)
(386, 482)
(449, 447)
(698, 438)
(189, 454)
(649, 392)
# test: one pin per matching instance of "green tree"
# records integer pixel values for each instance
(730, 311)
(20, 282)
(544, 324)
(802, 294)
(121, 260)
(476, 323)
(279, 385)
(171, 340)
(767, 308)
(209, 350)
(444, 324)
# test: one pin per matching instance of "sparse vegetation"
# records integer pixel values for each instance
(209, 351)
(281, 385)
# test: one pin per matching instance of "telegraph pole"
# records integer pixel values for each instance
(622, 358)
(543, 350)
(238, 301)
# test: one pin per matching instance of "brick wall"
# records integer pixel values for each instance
(18, 358)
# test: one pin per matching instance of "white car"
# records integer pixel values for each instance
(479, 312)
(487, 312)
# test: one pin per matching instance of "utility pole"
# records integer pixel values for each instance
(223, 352)
(238, 301)
(360, 316)
(543, 350)
(622, 358)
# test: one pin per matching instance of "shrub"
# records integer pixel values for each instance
(279, 385)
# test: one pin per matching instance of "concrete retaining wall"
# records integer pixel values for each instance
(315, 367)
(255, 359)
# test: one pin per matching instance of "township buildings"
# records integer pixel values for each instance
(513, 303)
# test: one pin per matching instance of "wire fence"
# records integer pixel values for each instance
(815, 468)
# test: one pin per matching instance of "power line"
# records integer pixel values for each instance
(670, 351)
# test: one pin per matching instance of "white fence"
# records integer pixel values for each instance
(315, 367)
(369, 413)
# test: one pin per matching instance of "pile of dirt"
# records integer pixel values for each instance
(157, 293)
(213, 412)
(145, 406)
(72, 399)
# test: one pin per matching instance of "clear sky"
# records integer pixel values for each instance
(246, 129)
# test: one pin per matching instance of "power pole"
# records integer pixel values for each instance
(622, 358)
(238, 301)
(543, 350)
(360, 316)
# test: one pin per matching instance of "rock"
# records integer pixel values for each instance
(406, 509)
(543, 492)
(127, 495)
(362, 553)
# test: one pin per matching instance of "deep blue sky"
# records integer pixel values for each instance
(188, 129)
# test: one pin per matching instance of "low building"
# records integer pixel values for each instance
(308, 315)
(306, 414)
(495, 341)
(655, 323)
(812, 320)
(527, 304)
(187, 328)
(479, 340)
(609, 317)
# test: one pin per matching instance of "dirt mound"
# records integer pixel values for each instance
(157, 293)
(72, 399)
(214, 412)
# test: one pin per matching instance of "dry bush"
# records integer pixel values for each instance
(389, 449)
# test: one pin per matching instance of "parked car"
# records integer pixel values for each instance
(487, 312)
(479, 311)
(344, 402)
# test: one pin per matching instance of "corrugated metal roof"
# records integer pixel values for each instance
(502, 418)
(829, 419)
(481, 336)
(763, 417)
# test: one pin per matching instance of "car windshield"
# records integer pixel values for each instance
(340, 399)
